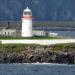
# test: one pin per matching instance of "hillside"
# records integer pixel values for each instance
(50, 9)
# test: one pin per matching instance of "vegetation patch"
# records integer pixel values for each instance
(24, 47)
(34, 37)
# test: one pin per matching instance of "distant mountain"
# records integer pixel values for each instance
(43, 10)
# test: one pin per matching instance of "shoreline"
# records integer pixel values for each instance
(41, 64)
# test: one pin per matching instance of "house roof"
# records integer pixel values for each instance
(10, 25)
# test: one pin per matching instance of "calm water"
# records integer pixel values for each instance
(36, 69)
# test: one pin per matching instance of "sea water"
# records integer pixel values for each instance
(37, 69)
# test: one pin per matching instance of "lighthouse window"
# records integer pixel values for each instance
(27, 13)
(5, 33)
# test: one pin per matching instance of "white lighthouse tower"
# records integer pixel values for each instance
(27, 23)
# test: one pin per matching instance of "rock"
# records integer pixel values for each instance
(34, 53)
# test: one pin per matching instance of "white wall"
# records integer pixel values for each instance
(26, 28)
(41, 42)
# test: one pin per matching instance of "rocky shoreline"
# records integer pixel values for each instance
(36, 53)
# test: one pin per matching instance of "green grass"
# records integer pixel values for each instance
(34, 37)
(61, 47)
(10, 48)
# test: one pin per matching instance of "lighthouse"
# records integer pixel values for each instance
(27, 23)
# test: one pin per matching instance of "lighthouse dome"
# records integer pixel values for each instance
(27, 12)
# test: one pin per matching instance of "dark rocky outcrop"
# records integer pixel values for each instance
(36, 53)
